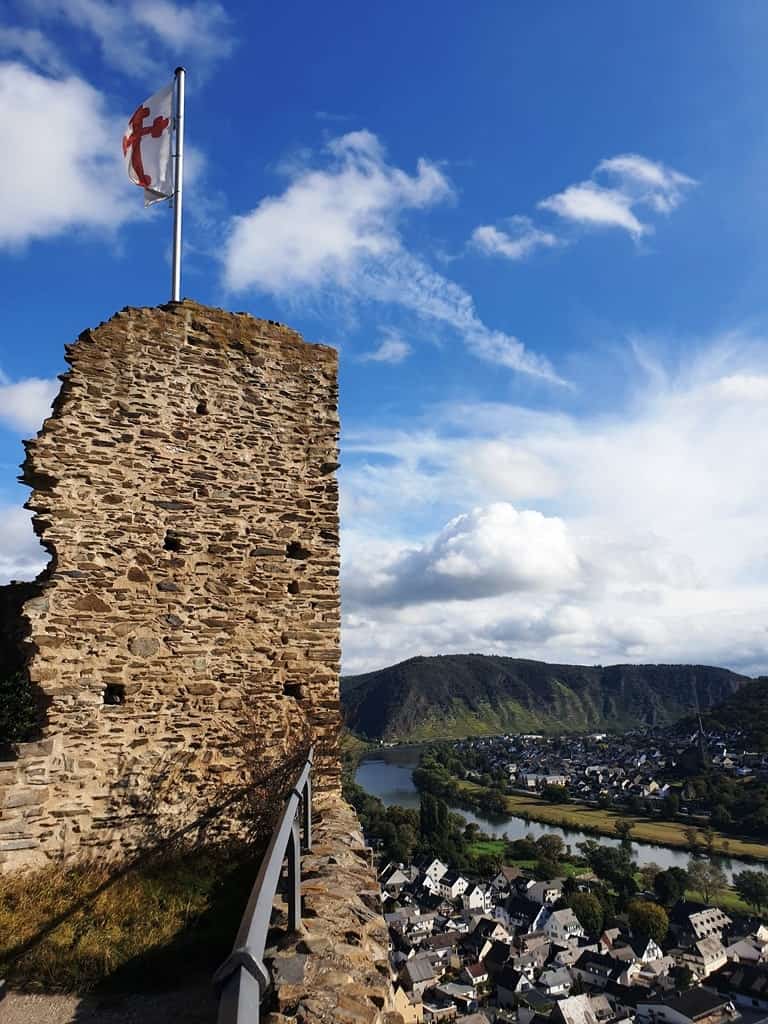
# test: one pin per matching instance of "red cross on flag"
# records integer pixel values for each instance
(147, 146)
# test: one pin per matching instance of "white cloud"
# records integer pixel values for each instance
(21, 557)
(61, 182)
(25, 403)
(515, 246)
(337, 226)
(589, 203)
(490, 550)
(131, 33)
(639, 182)
(393, 349)
(328, 221)
(652, 544)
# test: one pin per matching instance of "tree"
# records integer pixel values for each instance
(648, 874)
(648, 920)
(550, 846)
(706, 877)
(670, 806)
(471, 830)
(682, 976)
(556, 794)
(545, 869)
(623, 829)
(708, 834)
(752, 886)
(691, 837)
(570, 886)
(670, 885)
(612, 865)
(721, 817)
(522, 849)
(589, 911)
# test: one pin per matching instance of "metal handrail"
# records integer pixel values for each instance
(243, 978)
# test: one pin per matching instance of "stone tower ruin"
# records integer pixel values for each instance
(184, 488)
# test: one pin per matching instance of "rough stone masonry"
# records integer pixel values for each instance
(184, 487)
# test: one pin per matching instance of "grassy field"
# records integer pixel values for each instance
(496, 847)
(581, 816)
(151, 926)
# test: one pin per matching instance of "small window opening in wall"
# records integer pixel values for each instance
(295, 550)
(293, 690)
(114, 693)
(172, 541)
(293, 587)
(202, 407)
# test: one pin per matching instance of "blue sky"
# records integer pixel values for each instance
(534, 231)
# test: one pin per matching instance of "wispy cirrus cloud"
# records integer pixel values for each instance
(34, 47)
(634, 184)
(393, 349)
(337, 226)
(138, 37)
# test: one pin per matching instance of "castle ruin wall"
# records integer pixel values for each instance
(184, 486)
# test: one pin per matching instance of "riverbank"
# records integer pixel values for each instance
(603, 822)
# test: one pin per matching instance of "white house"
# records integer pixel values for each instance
(563, 925)
(451, 885)
(545, 892)
(478, 897)
(433, 872)
(705, 956)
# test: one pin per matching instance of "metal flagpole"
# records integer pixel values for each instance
(180, 75)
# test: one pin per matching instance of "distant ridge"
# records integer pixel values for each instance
(454, 695)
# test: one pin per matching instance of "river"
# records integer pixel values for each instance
(387, 774)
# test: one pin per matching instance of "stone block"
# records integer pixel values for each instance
(25, 796)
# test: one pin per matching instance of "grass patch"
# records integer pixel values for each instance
(583, 817)
(496, 848)
(151, 926)
(487, 847)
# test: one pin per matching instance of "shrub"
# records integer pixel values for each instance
(18, 710)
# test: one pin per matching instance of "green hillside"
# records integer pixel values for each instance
(747, 711)
(458, 695)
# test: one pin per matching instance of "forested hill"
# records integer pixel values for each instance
(457, 695)
(747, 711)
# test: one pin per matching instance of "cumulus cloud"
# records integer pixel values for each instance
(517, 243)
(25, 403)
(492, 550)
(131, 33)
(649, 543)
(337, 226)
(65, 183)
(21, 557)
(393, 349)
(636, 182)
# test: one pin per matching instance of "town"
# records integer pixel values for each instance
(517, 948)
(694, 777)
(532, 930)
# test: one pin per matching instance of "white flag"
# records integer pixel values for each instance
(147, 147)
